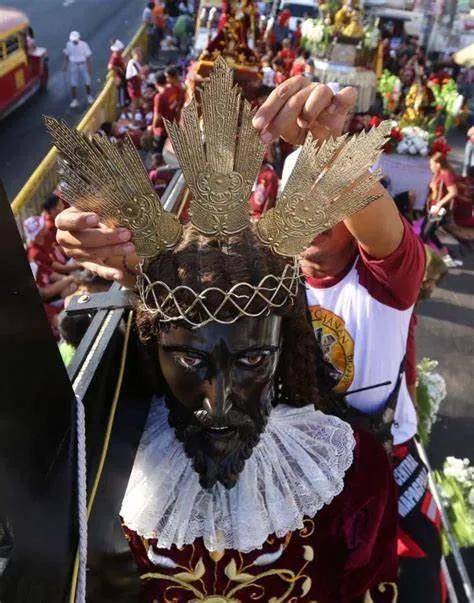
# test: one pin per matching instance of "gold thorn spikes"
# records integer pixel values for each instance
(100, 177)
(220, 164)
(329, 183)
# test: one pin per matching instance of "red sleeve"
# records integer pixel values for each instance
(395, 281)
(162, 104)
(32, 254)
(448, 178)
(410, 361)
(156, 101)
(37, 254)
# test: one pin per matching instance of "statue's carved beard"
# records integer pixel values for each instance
(218, 458)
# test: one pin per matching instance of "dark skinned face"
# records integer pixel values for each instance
(221, 382)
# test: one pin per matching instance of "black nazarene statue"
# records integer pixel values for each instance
(229, 482)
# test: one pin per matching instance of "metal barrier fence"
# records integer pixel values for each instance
(44, 179)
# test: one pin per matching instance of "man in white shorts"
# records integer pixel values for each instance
(77, 58)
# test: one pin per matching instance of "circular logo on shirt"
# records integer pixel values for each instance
(337, 345)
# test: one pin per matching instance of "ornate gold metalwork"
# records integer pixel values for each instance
(99, 177)
(329, 183)
(221, 164)
(182, 303)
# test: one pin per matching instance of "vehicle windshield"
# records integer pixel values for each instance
(300, 10)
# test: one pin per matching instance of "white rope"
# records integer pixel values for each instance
(81, 499)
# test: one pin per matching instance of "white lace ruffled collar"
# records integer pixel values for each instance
(297, 467)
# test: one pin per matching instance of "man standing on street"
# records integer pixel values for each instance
(77, 57)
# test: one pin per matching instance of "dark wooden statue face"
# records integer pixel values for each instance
(221, 379)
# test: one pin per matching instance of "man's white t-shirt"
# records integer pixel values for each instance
(77, 53)
(133, 69)
(268, 77)
(361, 319)
(147, 16)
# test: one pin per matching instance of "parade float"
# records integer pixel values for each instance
(429, 109)
(234, 40)
(344, 49)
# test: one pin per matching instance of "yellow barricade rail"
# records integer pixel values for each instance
(44, 179)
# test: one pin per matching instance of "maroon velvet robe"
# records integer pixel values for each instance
(347, 550)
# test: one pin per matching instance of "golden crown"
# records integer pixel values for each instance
(220, 154)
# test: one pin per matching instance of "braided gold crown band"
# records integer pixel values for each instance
(172, 305)
(220, 154)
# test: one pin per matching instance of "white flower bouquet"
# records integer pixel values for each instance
(315, 35)
(456, 487)
(415, 141)
(430, 392)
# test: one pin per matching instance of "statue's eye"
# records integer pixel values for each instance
(253, 360)
(189, 362)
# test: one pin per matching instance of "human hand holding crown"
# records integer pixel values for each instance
(220, 154)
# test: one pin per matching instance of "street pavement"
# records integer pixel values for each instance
(445, 333)
(23, 139)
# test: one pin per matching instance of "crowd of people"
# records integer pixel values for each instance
(449, 198)
(146, 96)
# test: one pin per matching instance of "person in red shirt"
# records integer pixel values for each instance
(42, 248)
(175, 92)
(264, 196)
(116, 60)
(299, 66)
(41, 251)
(158, 127)
(53, 206)
(443, 192)
(287, 55)
(38, 249)
(297, 35)
(52, 285)
(280, 72)
(134, 79)
(167, 104)
(159, 21)
(118, 67)
(363, 278)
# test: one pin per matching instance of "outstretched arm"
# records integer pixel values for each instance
(298, 106)
(378, 227)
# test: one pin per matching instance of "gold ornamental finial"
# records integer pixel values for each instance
(328, 183)
(220, 164)
(100, 177)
